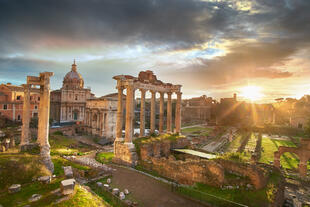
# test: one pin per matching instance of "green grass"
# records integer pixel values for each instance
(269, 146)
(235, 144)
(105, 157)
(253, 198)
(19, 169)
(197, 130)
(60, 162)
(82, 198)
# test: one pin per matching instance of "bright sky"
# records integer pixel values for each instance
(258, 49)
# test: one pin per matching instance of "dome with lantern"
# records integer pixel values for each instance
(73, 80)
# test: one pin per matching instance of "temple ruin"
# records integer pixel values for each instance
(43, 81)
(124, 149)
(303, 152)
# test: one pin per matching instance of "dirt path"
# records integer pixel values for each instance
(148, 191)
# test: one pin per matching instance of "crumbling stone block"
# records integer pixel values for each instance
(68, 172)
(14, 188)
(67, 186)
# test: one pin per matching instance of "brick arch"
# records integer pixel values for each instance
(303, 153)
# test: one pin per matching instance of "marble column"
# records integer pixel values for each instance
(161, 112)
(26, 116)
(119, 116)
(169, 113)
(142, 113)
(129, 114)
(153, 112)
(178, 113)
(43, 125)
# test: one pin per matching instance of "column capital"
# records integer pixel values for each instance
(142, 90)
(169, 93)
(153, 92)
(179, 93)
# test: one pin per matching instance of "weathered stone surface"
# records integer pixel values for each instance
(126, 191)
(35, 197)
(45, 179)
(106, 185)
(99, 184)
(14, 188)
(125, 154)
(68, 171)
(67, 186)
(109, 180)
(115, 191)
(121, 195)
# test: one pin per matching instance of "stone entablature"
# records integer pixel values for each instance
(146, 81)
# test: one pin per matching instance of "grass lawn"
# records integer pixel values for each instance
(63, 145)
(253, 198)
(105, 157)
(235, 144)
(269, 146)
(197, 130)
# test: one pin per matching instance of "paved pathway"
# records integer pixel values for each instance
(148, 191)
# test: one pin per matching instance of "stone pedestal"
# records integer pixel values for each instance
(67, 186)
(125, 154)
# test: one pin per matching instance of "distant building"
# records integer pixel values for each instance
(198, 110)
(11, 101)
(68, 103)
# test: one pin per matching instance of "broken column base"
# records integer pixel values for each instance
(125, 153)
(46, 158)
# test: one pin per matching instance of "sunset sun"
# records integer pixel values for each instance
(252, 93)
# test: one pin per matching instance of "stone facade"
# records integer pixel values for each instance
(100, 117)
(12, 99)
(68, 103)
(146, 81)
(198, 110)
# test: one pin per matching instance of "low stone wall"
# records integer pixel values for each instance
(161, 148)
(188, 172)
(256, 175)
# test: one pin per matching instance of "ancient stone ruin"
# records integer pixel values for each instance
(303, 152)
(146, 81)
(43, 81)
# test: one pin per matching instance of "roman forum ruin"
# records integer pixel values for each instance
(124, 149)
(43, 81)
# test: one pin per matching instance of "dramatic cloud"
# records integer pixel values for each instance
(209, 46)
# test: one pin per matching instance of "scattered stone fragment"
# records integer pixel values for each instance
(121, 195)
(99, 184)
(109, 180)
(45, 179)
(68, 171)
(126, 191)
(135, 203)
(115, 191)
(128, 202)
(35, 197)
(249, 186)
(67, 186)
(106, 186)
(14, 188)
(54, 176)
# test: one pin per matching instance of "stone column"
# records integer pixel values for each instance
(26, 116)
(153, 111)
(142, 113)
(129, 114)
(119, 116)
(161, 112)
(169, 113)
(43, 125)
(178, 113)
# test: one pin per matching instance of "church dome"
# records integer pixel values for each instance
(73, 80)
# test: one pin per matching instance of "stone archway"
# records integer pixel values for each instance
(303, 152)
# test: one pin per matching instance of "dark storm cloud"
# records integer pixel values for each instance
(173, 23)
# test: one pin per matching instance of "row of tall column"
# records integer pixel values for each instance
(130, 113)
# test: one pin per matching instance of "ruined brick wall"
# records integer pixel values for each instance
(161, 148)
(124, 154)
(256, 175)
(188, 172)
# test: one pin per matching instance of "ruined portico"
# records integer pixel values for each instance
(124, 149)
(43, 81)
